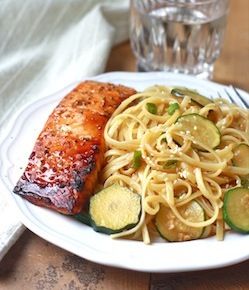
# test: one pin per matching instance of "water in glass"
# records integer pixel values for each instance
(184, 38)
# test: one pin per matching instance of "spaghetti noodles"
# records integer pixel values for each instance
(173, 173)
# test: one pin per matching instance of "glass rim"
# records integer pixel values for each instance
(189, 2)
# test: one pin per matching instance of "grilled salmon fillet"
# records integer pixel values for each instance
(69, 152)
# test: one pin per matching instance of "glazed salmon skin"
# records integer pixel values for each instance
(69, 152)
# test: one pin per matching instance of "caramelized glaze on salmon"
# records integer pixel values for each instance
(69, 152)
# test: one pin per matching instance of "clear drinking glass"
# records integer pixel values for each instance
(181, 36)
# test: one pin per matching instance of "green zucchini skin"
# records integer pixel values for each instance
(83, 218)
(114, 209)
(241, 159)
(173, 230)
(236, 209)
(109, 231)
(240, 154)
(194, 95)
(200, 128)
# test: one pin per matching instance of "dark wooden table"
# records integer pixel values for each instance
(33, 263)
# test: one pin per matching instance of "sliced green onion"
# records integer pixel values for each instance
(164, 139)
(152, 108)
(172, 108)
(171, 163)
(137, 156)
(244, 181)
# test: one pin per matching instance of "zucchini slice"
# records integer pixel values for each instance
(199, 128)
(114, 209)
(173, 230)
(241, 159)
(83, 217)
(194, 95)
(236, 209)
(241, 155)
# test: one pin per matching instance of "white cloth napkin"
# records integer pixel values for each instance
(46, 45)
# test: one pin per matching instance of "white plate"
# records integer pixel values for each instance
(81, 240)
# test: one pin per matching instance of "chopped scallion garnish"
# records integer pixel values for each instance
(244, 181)
(152, 108)
(171, 163)
(137, 156)
(172, 108)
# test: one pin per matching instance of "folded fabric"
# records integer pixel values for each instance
(46, 45)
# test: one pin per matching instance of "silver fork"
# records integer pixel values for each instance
(235, 97)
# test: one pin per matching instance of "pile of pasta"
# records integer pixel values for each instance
(172, 173)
